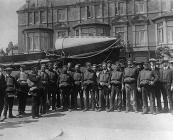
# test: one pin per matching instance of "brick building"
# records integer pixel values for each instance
(144, 25)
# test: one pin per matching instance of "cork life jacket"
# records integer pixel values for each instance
(104, 77)
(145, 77)
(89, 77)
(116, 77)
(64, 80)
(77, 76)
(130, 75)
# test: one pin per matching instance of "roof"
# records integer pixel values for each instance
(43, 3)
(91, 22)
(164, 15)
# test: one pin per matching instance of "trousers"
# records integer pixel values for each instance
(116, 91)
(131, 99)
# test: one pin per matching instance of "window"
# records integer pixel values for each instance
(171, 4)
(82, 13)
(163, 5)
(101, 32)
(98, 12)
(61, 34)
(120, 31)
(38, 41)
(36, 18)
(72, 13)
(139, 7)
(43, 17)
(170, 31)
(112, 9)
(22, 19)
(88, 31)
(105, 9)
(54, 15)
(61, 15)
(50, 16)
(90, 12)
(30, 18)
(140, 35)
(160, 33)
(77, 32)
(122, 8)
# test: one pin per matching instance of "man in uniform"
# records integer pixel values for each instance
(96, 90)
(34, 91)
(70, 71)
(78, 76)
(156, 87)
(130, 79)
(58, 102)
(109, 65)
(166, 79)
(89, 82)
(22, 91)
(44, 81)
(146, 80)
(11, 85)
(65, 81)
(53, 77)
(116, 82)
(2, 90)
(104, 85)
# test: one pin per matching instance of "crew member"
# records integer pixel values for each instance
(53, 77)
(65, 81)
(116, 81)
(2, 90)
(22, 90)
(166, 79)
(104, 85)
(11, 85)
(145, 83)
(89, 82)
(130, 79)
(78, 76)
(44, 81)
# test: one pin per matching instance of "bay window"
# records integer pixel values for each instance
(140, 35)
(160, 33)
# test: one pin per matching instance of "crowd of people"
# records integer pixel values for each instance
(96, 87)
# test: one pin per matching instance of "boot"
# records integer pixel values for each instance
(10, 114)
(145, 110)
(4, 118)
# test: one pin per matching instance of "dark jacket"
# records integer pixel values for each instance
(166, 76)
(2, 84)
(53, 77)
(44, 79)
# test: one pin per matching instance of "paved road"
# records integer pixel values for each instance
(79, 125)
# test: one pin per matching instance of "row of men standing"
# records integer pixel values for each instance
(131, 86)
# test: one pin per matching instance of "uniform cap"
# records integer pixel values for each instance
(22, 66)
(88, 64)
(152, 60)
(9, 69)
(109, 62)
(166, 60)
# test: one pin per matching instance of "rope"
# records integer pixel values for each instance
(96, 53)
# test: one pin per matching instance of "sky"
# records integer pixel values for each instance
(9, 21)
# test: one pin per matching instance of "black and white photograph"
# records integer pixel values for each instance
(86, 69)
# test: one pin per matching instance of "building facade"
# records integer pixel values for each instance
(143, 25)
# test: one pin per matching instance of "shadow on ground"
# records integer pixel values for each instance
(15, 124)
